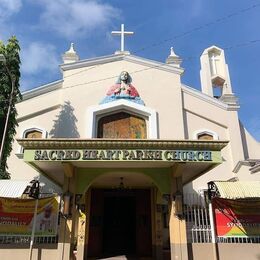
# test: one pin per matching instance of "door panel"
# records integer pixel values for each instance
(143, 223)
(96, 223)
(120, 223)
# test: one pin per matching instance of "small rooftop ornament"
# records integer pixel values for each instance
(123, 89)
(174, 59)
(70, 55)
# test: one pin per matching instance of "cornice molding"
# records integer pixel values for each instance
(208, 99)
(202, 96)
(37, 113)
(120, 144)
(91, 62)
(42, 90)
(154, 64)
(118, 57)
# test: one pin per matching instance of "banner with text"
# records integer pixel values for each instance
(236, 218)
(16, 216)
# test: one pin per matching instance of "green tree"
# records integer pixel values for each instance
(9, 71)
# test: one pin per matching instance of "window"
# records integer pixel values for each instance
(205, 137)
(122, 125)
(205, 134)
(33, 134)
(95, 113)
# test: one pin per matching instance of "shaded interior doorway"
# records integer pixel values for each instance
(120, 223)
(119, 230)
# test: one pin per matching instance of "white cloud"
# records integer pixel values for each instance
(75, 18)
(38, 57)
(8, 8)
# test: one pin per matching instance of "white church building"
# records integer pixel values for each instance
(127, 140)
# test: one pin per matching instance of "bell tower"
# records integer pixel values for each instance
(214, 75)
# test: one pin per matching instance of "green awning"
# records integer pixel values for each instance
(237, 189)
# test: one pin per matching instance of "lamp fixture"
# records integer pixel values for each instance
(121, 186)
(66, 209)
(178, 201)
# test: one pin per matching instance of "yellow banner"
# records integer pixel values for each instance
(16, 216)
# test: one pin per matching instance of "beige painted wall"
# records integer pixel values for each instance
(225, 251)
(159, 90)
(40, 252)
(180, 112)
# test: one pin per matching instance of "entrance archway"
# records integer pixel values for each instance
(121, 216)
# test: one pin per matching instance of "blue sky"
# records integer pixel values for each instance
(45, 29)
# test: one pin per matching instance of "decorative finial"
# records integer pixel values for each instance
(174, 59)
(172, 53)
(70, 55)
(71, 49)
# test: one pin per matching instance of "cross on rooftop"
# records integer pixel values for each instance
(122, 33)
(214, 58)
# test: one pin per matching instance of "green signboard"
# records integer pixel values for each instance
(123, 155)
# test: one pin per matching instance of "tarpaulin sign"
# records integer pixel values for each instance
(16, 216)
(236, 218)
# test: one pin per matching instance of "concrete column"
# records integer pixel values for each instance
(67, 223)
(81, 235)
(64, 232)
(83, 226)
(177, 225)
(72, 222)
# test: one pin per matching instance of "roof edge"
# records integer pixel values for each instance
(42, 89)
(196, 93)
(118, 57)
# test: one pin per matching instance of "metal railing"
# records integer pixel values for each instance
(15, 239)
(198, 226)
(197, 219)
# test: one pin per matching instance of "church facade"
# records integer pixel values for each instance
(125, 139)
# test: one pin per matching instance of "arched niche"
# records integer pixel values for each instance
(94, 113)
(205, 134)
(122, 125)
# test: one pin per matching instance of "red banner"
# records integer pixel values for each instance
(236, 218)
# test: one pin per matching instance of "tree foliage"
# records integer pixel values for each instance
(9, 71)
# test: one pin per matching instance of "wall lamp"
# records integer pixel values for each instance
(67, 203)
(178, 199)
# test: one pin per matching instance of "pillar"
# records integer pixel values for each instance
(83, 227)
(67, 223)
(64, 233)
(177, 225)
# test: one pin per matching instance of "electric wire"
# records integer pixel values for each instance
(220, 19)
(206, 25)
(228, 48)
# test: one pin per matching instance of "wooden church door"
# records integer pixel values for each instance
(122, 125)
